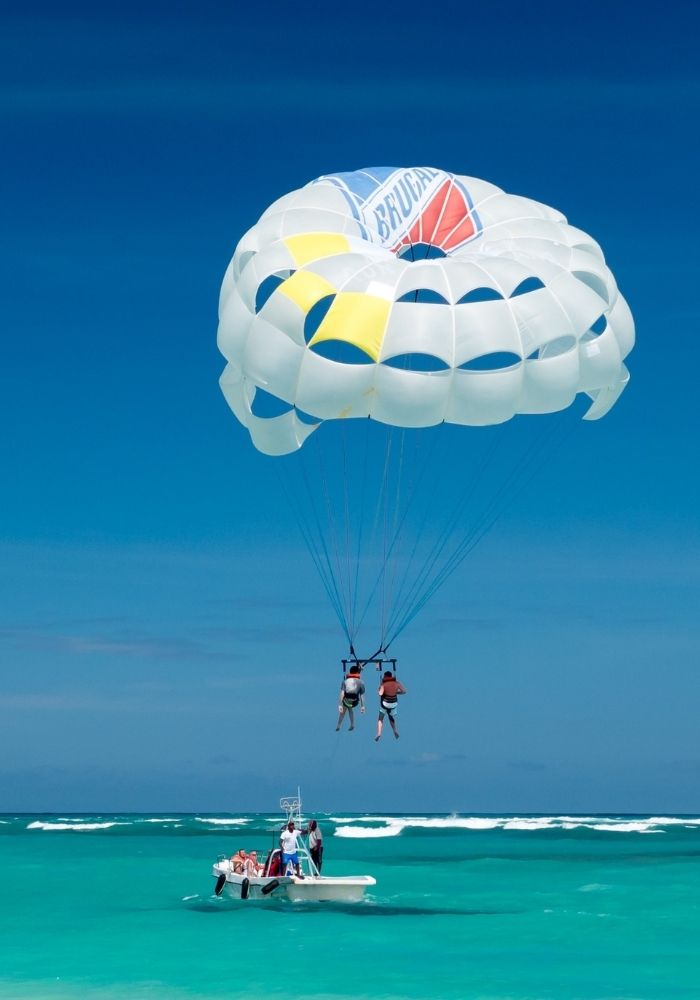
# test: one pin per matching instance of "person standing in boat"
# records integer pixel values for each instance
(288, 845)
(389, 691)
(351, 695)
(316, 844)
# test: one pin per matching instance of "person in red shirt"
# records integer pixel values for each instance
(389, 691)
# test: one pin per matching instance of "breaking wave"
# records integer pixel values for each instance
(394, 825)
(359, 826)
(391, 830)
(234, 821)
(73, 826)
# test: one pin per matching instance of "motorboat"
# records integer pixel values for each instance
(274, 883)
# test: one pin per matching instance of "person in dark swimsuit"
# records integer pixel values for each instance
(316, 844)
(389, 691)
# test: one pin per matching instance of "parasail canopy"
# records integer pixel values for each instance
(416, 298)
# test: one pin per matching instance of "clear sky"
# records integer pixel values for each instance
(164, 643)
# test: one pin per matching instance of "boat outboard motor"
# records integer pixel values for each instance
(245, 888)
(270, 887)
(220, 883)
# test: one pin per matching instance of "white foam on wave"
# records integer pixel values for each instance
(361, 832)
(570, 819)
(529, 824)
(394, 825)
(674, 820)
(163, 819)
(430, 822)
(455, 823)
(72, 826)
(614, 826)
(639, 827)
(372, 819)
(218, 821)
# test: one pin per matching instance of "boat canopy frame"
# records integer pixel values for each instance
(291, 806)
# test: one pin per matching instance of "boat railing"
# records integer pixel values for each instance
(291, 806)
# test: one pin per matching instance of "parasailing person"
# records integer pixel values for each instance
(389, 691)
(352, 692)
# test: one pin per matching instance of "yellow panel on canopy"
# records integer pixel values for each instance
(356, 318)
(306, 288)
(306, 247)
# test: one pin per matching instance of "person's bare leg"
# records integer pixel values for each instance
(341, 716)
(380, 723)
(393, 726)
(351, 717)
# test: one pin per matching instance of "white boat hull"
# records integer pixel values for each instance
(349, 889)
(316, 888)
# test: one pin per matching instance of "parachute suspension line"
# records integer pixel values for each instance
(387, 549)
(339, 582)
(553, 438)
(427, 458)
(326, 564)
(408, 482)
(306, 532)
(378, 512)
(360, 526)
(382, 487)
(392, 558)
(428, 509)
(518, 480)
(404, 521)
(385, 545)
(332, 576)
(348, 546)
(307, 535)
(428, 586)
(447, 532)
(492, 514)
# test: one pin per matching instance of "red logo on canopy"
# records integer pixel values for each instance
(445, 222)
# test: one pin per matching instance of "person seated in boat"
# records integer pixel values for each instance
(389, 691)
(288, 843)
(252, 868)
(273, 865)
(351, 695)
(238, 861)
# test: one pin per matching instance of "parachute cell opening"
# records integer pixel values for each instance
(420, 251)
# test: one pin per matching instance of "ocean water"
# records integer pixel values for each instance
(465, 907)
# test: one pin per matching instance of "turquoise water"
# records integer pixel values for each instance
(471, 908)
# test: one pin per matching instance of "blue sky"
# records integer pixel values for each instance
(164, 642)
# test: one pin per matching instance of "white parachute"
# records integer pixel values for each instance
(416, 298)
